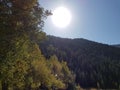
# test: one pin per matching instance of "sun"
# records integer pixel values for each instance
(61, 17)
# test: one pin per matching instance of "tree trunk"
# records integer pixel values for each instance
(4, 86)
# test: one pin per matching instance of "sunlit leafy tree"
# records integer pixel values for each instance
(61, 70)
(39, 75)
(22, 65)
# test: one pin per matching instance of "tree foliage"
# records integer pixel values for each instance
(61, 70)
(22, 66)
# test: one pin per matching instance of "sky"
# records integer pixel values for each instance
(96, 20)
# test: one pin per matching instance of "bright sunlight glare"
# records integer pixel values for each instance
(61, 17)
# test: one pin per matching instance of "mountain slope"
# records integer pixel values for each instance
(94, 64)
(118, 45)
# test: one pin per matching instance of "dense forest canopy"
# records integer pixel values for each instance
(94, 64)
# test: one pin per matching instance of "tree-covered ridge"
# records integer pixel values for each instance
(22, 66)
(117, 45)
(94, 64)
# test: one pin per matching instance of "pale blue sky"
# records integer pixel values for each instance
(96, 20)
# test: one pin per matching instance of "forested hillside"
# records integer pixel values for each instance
(94, 64)
(118, 45)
